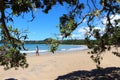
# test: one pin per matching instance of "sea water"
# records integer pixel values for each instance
(45, 48)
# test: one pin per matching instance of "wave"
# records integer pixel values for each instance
(72, 49)
(33, 51)
(61, 49)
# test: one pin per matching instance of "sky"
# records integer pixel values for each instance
(45, 25)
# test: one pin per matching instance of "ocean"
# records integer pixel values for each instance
(45, 48)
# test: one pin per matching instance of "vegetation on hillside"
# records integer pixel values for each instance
(74, 42)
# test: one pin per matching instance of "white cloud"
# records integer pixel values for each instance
(112, 17)
(84, 20)
(82, 31)
(60, 36)
(77, 36)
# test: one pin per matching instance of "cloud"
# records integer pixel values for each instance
(60, 36)
(82, 31)
(84, 20)
(77, 36)
(112, 17)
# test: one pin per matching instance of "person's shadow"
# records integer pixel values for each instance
(11, 79)
(109, 73)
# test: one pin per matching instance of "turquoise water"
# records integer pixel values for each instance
(45, 48)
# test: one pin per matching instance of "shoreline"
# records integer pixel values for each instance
(57, 52)
(84, 47)
(49, 66)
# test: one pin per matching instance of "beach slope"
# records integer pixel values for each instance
(50, 66)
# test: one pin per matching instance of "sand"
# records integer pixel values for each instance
(50, 66)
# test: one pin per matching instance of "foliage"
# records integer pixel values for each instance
(12, 38)
(35, 42)
(53, 44)
(73, 42)
(104, 42)
(68, 22)
(69, 41)
(96, 10)
(12, 58)
(10, 55)
(107, 9)
(67, 25)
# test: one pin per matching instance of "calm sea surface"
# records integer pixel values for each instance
(45, 48)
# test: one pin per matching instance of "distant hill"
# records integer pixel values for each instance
(75, 42)
(72, 42)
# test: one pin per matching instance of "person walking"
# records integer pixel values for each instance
(37, 51)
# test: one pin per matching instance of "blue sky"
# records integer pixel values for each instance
(43, 26)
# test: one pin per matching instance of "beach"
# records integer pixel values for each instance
(51, 66)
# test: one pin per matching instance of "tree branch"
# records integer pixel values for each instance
(4, 27)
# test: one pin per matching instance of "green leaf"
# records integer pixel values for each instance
(97, 13)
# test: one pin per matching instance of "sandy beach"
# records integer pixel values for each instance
(50, 66)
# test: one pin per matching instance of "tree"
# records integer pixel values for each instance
(96, 10)
(12, 39)
(53, 44)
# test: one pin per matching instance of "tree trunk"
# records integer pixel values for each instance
(4, 27)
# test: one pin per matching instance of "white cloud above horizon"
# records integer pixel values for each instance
(81, 31)
(112, 17)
